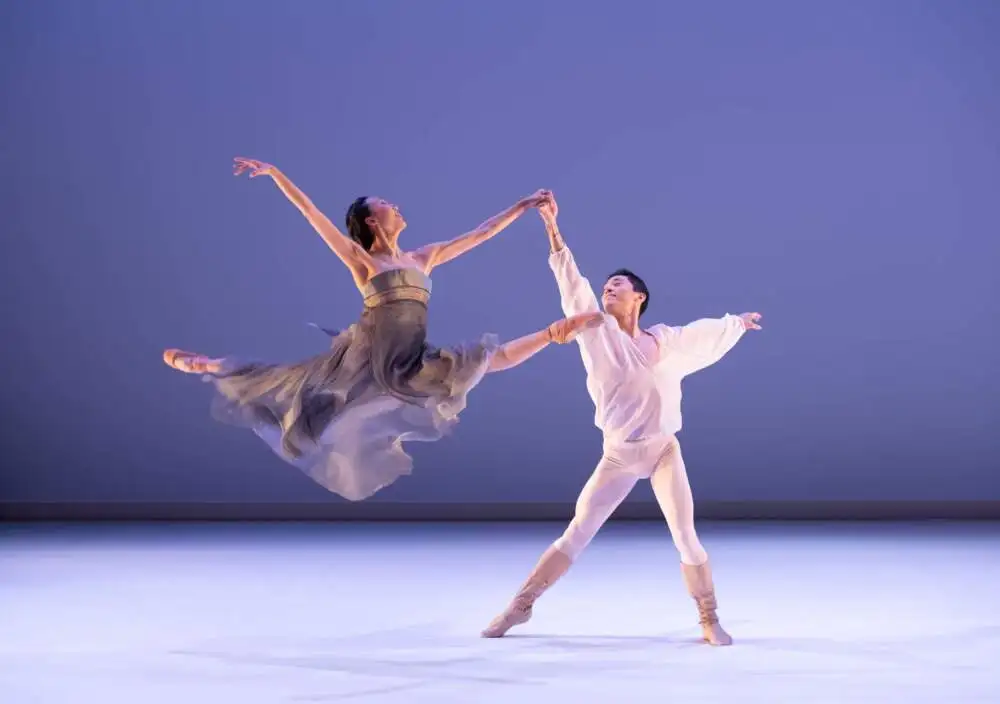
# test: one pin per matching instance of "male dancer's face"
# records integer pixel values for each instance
(620, 298)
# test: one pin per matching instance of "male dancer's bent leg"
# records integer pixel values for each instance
(604, 491)
(673, 494)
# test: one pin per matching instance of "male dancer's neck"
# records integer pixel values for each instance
(629, 322)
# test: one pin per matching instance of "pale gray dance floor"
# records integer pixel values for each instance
(262, 613)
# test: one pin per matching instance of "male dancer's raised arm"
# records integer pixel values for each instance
(574, 289)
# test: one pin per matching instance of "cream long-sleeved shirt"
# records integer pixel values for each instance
(636, 398)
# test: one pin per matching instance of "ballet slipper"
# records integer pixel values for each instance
(698, 579)
(553, 565)
(189, 362)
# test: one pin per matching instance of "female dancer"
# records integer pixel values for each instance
(342, 416)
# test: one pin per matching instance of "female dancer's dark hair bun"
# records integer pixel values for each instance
(357, 228)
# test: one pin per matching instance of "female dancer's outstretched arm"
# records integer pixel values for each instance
(350, 252)
(523, 348)
(433, 255)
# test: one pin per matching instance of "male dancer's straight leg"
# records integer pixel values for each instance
(673, 493)
(604, 491)
(607, 487)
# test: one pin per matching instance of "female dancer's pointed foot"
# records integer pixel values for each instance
(189, 362)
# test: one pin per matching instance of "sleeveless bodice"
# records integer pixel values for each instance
(397, 285)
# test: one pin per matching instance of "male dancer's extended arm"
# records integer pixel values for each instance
(575, 290)
(704, 342)
(562, 331)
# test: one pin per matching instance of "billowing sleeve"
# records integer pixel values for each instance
(702, 343)
(574, 289)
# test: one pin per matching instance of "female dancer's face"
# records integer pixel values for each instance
(386, 216)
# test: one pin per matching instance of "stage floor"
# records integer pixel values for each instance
(268, 613)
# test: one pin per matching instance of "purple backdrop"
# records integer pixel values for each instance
(832, 164)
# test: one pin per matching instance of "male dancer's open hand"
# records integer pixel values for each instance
(750, 321)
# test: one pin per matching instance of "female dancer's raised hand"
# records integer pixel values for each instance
(256, 168)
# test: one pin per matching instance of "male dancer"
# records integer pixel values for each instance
(634, 378)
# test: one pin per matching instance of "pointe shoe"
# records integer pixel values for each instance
(550, 568)
(188, 362)
(698, 579)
